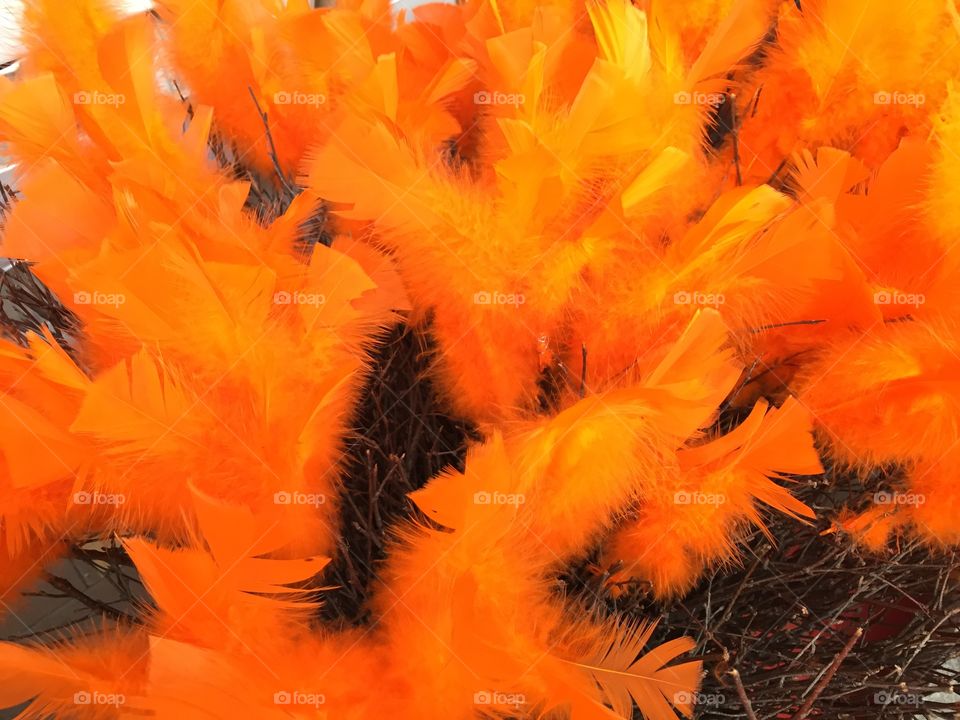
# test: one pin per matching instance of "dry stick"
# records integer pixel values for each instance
(742, 694)
(828, 676)
(943, 587)
(756, 101)
(57, 630)
(926, 639)
(583, 369)
(273, 148)
(747, 379)
(67, 588)
(775, 326)
(93, 558)
(355, 583)
(732, 99)
(736, 595)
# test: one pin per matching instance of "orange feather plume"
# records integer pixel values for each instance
(616, 225)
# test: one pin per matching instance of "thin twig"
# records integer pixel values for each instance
(775, 326)
(583, 370)
(926, 639)
(68, 588)
(828, 675)
(273, 148)
(742, 694)
(735, 131)
(756, 101)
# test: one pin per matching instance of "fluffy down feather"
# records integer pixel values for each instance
(888, 395)
(717, 488)
(857, 76)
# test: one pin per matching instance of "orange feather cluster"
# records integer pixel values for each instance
(669, 215)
